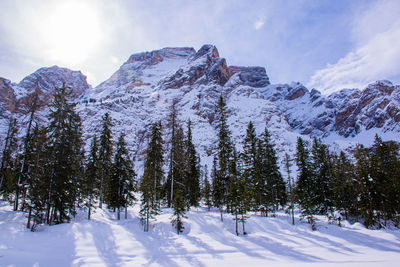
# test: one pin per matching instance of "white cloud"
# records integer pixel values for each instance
(376, 56)
(259, 23)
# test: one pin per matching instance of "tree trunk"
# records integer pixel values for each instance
(29, 218)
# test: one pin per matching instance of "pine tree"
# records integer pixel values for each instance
(91, 183)
(152, 176)
(7, 168)
(321, 172)
(224, 150)
(218, 189)
(65, 139)
(288, 165)
(364, 185)
(38, 176)
(105, 155)
(239, 195)
(122, 182)
(179, 206)
(251, 169)
(305, 183)
(192, 174)
(343, 178)
(23, 175)
(384, 173)
(275, 190)
(175, 170)
(207, 193)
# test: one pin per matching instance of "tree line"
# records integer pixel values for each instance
(48, 174)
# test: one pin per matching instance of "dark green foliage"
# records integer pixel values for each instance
(305, 183)
(271, 181)
(321, 168)
(105, 155)
(92, 179)
(152, 176)
(8, 166)
(207, 192)
(65, 143)
(224, 151)
(122, 182)
(239, 194)
(343, 186)
(179, 206)
(38, 177)
(192, 174)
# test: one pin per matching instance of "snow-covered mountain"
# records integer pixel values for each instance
(146, 85)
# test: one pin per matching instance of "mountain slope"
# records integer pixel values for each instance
(147, 84)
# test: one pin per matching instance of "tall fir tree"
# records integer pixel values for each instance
(251, 169)
(38, 176)
(105, 155)
(192, 174)
(288, 164)
(224, 150)
(92, 180)
(65, 139)
(207, 192)
(275, 191)
(8, 160)
(343, 178)
(121, 185)
(179, 207)
(321, 167)
(305, 183)
(153, 174)
(23, 173)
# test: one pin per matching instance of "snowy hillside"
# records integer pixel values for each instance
(145, 86)
(206, 241)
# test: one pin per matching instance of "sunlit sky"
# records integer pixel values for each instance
(327, 45)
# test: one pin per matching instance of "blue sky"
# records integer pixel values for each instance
(328, 45)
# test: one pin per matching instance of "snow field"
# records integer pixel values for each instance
(206, 241)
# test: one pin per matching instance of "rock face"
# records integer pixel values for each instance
(145, 86)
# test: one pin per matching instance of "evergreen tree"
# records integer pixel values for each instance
(177, 175)
(224, 150)
(179, 207)
(66, 156)
(385, 175)
(91, 183)
(252, 171)
(321, 172)
(23, 174)
(305, 183)
(38, 178)
(239, 195)
(175, 171)
(122, 183)
(364, 185)
(207, 193)
(152, 177)
(192, 174)
(275, 190)
(218, 189)
(105, 155)
(288, 165)
(343, 178)
(8, 160)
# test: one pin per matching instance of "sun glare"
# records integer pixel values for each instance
(71, 32)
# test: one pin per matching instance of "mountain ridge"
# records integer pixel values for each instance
(144, 87)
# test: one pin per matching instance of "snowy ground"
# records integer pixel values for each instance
(105, 241)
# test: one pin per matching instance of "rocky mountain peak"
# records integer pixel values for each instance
(46, 79)
(156, 56)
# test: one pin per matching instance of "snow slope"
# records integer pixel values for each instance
(105, 241)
